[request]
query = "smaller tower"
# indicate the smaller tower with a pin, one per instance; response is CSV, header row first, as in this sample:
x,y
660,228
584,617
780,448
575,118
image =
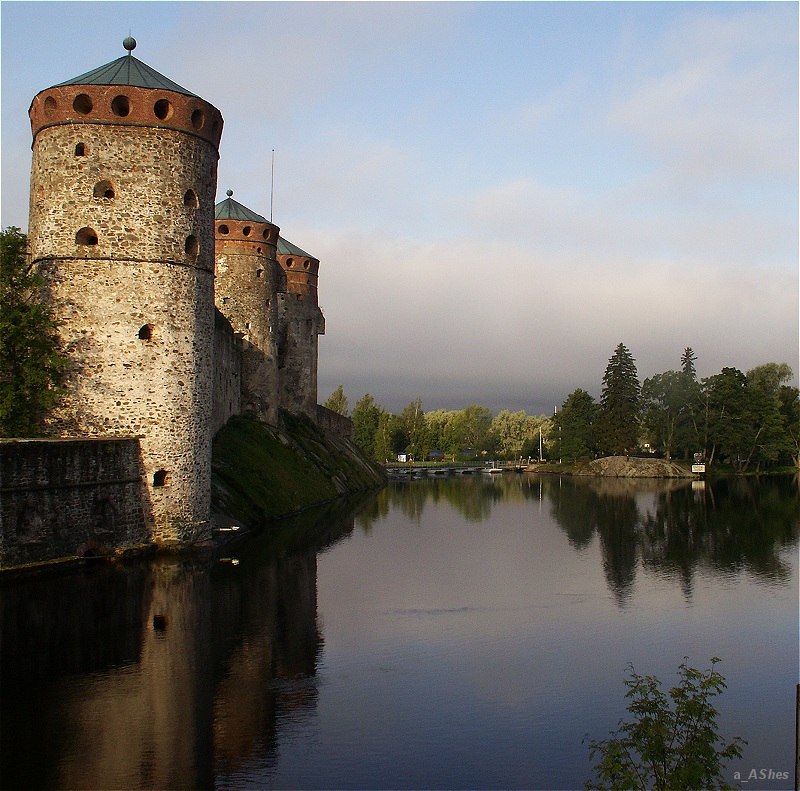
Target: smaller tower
x,y
247,279
301,322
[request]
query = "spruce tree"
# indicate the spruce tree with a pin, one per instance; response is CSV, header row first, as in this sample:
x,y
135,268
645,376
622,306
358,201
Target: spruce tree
x,y
619,404
688,359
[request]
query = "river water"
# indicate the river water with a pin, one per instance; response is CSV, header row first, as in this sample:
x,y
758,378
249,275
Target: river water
x,y
468,632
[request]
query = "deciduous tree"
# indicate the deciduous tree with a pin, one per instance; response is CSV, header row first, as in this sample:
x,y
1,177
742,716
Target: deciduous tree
x,y
337,401
366,418
31,363
673,741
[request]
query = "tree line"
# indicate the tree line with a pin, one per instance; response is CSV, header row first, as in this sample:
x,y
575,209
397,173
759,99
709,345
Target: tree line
x,y
749,421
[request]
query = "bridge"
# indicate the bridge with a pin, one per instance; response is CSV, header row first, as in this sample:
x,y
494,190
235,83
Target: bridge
x,y
424,471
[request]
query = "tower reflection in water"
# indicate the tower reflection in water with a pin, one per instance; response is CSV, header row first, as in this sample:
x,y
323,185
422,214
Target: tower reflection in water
x,y
164,674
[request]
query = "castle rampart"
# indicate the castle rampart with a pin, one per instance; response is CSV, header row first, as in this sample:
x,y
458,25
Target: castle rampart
x,y
62,498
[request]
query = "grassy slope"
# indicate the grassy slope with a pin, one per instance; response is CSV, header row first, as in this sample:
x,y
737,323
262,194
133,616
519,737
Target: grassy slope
x,y
260,472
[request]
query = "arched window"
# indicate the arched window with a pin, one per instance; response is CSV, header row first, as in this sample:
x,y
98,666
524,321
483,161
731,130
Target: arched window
x,y
86,236
104,189
81,150
146,332
192,247
160,478
190,199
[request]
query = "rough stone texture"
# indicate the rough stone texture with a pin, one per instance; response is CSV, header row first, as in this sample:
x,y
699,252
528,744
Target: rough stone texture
x,y
248,279
227,400
300,321
334,423
135,303
630,467
62,498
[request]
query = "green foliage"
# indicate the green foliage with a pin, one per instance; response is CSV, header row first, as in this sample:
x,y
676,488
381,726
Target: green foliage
x,y
667,411
366,419
673,741
31,364
412,421
515,432
688,359
337,401
575,427
619,404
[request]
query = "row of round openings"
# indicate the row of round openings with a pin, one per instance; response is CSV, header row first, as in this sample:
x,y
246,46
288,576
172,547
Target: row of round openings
x,y
121,107
290,263
88,237
224,230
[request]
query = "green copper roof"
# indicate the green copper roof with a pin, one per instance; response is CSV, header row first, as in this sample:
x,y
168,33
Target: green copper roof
x,y
230,209
127,70
287,248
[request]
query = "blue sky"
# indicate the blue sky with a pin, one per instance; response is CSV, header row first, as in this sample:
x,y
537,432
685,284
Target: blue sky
x,y
498,193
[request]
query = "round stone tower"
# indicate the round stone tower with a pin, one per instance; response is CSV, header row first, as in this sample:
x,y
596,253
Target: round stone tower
x,y
300,321
248,278
122,227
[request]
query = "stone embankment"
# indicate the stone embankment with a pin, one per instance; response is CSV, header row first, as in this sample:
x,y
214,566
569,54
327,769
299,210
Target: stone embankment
x,y
630,467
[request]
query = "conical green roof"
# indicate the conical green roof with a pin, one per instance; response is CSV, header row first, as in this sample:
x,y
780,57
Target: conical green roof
x,y
287,248
229,209
127,70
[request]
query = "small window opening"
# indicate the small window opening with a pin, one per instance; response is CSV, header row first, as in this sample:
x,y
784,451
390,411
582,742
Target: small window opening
x,y
306,264
160,478
192,246
49,106
190,199
82,104
86,236
247,325
289,262
223,229
259,272
104,189
121,106
259,250
146,332
198,119
266,233
163,109
246,230
80,150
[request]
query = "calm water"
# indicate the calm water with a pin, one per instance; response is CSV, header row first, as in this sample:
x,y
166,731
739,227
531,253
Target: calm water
x,y
450,633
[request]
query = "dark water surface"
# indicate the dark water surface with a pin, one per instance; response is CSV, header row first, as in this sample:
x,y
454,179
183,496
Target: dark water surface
x,y
452,633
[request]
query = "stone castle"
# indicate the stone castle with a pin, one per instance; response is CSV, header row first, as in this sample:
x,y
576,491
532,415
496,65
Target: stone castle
x,y
175,313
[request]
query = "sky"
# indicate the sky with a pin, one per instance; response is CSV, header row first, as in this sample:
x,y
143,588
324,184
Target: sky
x,y
499,193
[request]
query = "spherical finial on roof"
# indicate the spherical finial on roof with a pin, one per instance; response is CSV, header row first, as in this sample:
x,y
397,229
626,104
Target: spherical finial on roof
x,y
129,42
229,193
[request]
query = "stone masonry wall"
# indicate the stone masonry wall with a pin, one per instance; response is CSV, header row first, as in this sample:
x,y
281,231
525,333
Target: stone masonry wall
x,y
247,279
121,226
65,498
227,373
